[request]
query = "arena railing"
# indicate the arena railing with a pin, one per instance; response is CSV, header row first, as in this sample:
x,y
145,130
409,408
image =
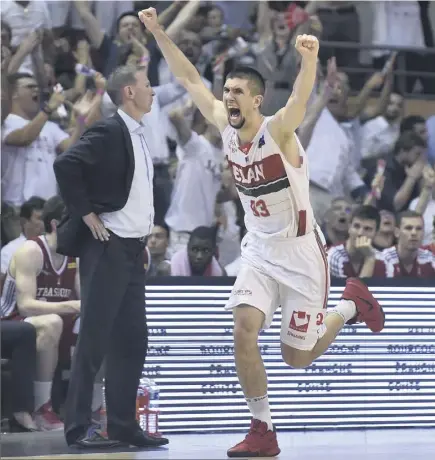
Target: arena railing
x,y
400,70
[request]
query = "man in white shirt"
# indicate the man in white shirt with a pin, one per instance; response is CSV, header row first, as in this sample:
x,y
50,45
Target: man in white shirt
x,y
379,135
24,18
30,142
106,181
31,227
157,122
197,183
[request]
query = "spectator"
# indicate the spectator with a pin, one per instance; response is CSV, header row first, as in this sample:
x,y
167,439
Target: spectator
x,y
407,258
29,22
379,135
385,237
403,172
337,221
157,244
391,19
31,227
198,258
31,142
18,344
277,59
356,257
39,289
334,174
198,180
417,125
340,23
425,203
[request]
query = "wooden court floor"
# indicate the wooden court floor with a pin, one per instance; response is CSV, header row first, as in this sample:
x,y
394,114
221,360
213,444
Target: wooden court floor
x,y
405,444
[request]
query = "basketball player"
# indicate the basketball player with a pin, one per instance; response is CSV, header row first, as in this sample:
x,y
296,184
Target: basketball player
x,y
283,257
40,288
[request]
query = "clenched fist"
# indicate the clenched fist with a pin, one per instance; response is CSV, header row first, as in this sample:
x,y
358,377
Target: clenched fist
x,y
307,46
149,18
364,246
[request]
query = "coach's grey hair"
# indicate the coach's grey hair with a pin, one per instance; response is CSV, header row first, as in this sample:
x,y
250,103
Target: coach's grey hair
x,y
123,76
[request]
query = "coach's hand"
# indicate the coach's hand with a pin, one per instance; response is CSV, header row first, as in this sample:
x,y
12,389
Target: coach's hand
x,y
96,227
364,246
307,46
149,19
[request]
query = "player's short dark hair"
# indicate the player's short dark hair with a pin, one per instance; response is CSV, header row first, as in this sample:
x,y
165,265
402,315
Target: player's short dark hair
x,y
54,209
407,141
35,203
367,212
408,214
408,123
256,81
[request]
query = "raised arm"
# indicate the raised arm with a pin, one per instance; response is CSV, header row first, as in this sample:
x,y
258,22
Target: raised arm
x,y
212,109
291,116
28,263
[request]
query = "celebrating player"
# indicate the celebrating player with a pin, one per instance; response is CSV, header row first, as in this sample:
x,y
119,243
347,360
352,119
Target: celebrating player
x,y
283,256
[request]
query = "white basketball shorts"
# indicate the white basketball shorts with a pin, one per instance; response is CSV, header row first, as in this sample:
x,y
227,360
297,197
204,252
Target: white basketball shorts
x,y
288,272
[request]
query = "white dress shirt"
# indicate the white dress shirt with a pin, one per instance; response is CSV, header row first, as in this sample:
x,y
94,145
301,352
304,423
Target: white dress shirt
x,y
136,218
332,166
155,120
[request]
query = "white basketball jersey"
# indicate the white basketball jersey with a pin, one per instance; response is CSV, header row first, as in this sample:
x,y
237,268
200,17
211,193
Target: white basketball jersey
x,y
274,194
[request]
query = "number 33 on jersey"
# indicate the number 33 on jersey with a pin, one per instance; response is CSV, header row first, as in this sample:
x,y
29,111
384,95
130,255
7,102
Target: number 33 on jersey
x,y
274,194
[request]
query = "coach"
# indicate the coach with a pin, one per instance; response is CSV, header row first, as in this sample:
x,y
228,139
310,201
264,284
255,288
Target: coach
x,y
106,182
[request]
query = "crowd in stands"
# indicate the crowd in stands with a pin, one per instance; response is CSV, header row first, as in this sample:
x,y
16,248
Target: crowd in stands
x,y
372,176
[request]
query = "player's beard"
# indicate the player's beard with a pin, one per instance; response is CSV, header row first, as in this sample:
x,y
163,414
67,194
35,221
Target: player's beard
x,y
239,124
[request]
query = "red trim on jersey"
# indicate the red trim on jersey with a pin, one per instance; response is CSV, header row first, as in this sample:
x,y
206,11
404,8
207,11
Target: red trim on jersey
x,y
260,172
245,148
325,263
302,224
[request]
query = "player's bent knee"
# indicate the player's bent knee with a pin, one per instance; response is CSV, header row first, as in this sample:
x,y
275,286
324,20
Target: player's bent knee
x,y
247,324
48,327
297,359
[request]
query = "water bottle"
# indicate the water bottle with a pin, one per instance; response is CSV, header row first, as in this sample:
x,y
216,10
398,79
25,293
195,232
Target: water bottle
x,y
142,403
153,412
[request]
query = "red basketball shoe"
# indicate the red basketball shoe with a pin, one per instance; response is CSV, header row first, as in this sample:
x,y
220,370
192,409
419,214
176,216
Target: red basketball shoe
x,y
259,442
368,309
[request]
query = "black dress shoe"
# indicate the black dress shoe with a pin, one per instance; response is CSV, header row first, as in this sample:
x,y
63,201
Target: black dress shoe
x,y
94,439
139,438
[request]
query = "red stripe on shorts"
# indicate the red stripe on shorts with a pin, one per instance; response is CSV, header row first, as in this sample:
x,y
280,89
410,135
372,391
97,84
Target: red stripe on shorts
x,y
302,224
325,263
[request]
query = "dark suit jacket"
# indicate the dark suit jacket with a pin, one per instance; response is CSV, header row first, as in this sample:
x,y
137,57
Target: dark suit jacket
x,y
94,175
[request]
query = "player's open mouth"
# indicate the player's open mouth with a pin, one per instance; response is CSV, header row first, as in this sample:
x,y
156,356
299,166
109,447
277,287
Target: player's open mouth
x,y
234,113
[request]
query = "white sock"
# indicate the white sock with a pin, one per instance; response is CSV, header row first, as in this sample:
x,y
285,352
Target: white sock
x,y
42,393
97,396
260,409
346,309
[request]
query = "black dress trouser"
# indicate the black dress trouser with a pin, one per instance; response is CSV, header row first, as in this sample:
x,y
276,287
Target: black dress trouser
x,y
18,344
112,327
